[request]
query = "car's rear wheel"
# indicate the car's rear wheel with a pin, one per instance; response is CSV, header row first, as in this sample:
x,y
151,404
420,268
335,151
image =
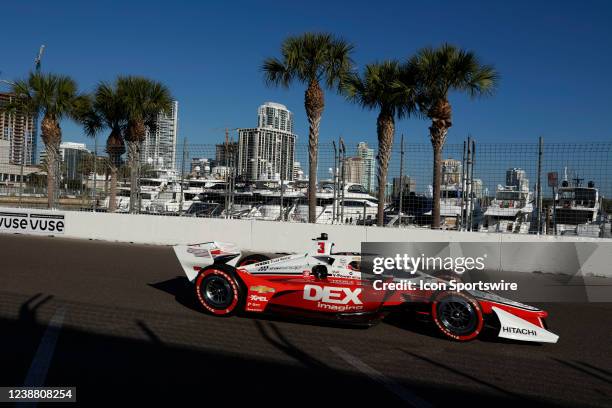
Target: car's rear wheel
x,y
457,316
218,290
252,259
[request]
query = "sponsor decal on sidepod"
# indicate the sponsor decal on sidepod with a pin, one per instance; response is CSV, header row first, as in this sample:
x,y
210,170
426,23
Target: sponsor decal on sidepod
x,y
334,299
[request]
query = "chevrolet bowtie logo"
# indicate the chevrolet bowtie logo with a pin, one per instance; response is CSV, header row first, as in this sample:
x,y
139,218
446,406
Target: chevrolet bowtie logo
x,y
262,289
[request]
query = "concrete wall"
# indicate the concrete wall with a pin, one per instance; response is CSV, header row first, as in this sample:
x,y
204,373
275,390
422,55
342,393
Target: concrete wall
x,y
558,256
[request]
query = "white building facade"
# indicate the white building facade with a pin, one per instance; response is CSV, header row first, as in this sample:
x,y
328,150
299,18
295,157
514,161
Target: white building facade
x,y
268,151
368,176
19,130
272,115
159,148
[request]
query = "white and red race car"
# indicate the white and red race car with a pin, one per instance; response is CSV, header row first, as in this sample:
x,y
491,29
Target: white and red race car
x,y
322,284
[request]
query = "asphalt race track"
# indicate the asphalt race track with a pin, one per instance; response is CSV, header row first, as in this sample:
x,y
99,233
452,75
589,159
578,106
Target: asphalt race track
x,y
124,329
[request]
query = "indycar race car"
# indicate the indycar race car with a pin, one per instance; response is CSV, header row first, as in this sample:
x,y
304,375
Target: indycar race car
x,y
322,284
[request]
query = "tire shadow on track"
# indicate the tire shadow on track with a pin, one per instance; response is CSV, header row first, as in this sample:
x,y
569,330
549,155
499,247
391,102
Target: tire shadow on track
x,y
181,289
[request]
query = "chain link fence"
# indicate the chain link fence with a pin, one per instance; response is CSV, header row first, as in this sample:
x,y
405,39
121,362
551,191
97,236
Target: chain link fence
x,y
485,187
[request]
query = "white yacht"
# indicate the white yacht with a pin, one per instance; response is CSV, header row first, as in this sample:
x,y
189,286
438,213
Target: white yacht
x,y
510,211
577,209
355,206
173,199
122,200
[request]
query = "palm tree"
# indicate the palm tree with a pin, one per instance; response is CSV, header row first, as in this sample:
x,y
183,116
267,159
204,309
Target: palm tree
x,y
384,87
439,71
312,59
54,97
105,110
143,100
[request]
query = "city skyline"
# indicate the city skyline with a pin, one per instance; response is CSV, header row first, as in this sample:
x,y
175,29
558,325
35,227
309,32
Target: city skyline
x,y
525,48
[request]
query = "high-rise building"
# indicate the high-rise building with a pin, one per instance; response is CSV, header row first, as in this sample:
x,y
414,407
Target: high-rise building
x,y
159,148
268,151
353,170
368,176
20,131
226,155
11,174
273,115
73,157
298,173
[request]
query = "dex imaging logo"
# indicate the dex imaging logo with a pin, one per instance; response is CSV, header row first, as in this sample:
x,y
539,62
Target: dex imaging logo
x,y
333,295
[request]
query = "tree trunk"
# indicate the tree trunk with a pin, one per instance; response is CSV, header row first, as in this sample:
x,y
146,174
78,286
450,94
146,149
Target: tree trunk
x,y
385,128
52,158
112,197
106,183
437,180
440,115
134,163
114,148
314,102
51,134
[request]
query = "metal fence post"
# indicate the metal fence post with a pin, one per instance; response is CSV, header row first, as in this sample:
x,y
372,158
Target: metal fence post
x,y
539,190
472,197
342,175
463,201
21,176
401,183
468,184
182,176
335,177
95,173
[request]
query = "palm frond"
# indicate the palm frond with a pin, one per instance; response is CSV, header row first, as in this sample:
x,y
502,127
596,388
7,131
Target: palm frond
x,y
310,57
384,86
276,73
142,100
449,68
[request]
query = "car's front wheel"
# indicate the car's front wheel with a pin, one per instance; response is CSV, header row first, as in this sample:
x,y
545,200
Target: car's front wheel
x,y
218,290
457,316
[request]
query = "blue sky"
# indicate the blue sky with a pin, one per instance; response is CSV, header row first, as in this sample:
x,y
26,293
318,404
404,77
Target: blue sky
x,y
554,59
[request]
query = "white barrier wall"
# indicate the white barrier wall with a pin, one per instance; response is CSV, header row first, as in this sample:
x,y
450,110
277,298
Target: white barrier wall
x,y
595,255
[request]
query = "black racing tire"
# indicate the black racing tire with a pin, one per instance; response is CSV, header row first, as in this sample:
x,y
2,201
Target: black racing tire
x,y
457,316
252,259
219,291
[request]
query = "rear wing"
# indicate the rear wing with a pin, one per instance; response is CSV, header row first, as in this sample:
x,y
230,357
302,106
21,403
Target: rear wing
x,y
194,257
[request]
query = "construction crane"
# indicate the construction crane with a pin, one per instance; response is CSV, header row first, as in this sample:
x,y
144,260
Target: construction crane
x,y
37,62
226,130
38,59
